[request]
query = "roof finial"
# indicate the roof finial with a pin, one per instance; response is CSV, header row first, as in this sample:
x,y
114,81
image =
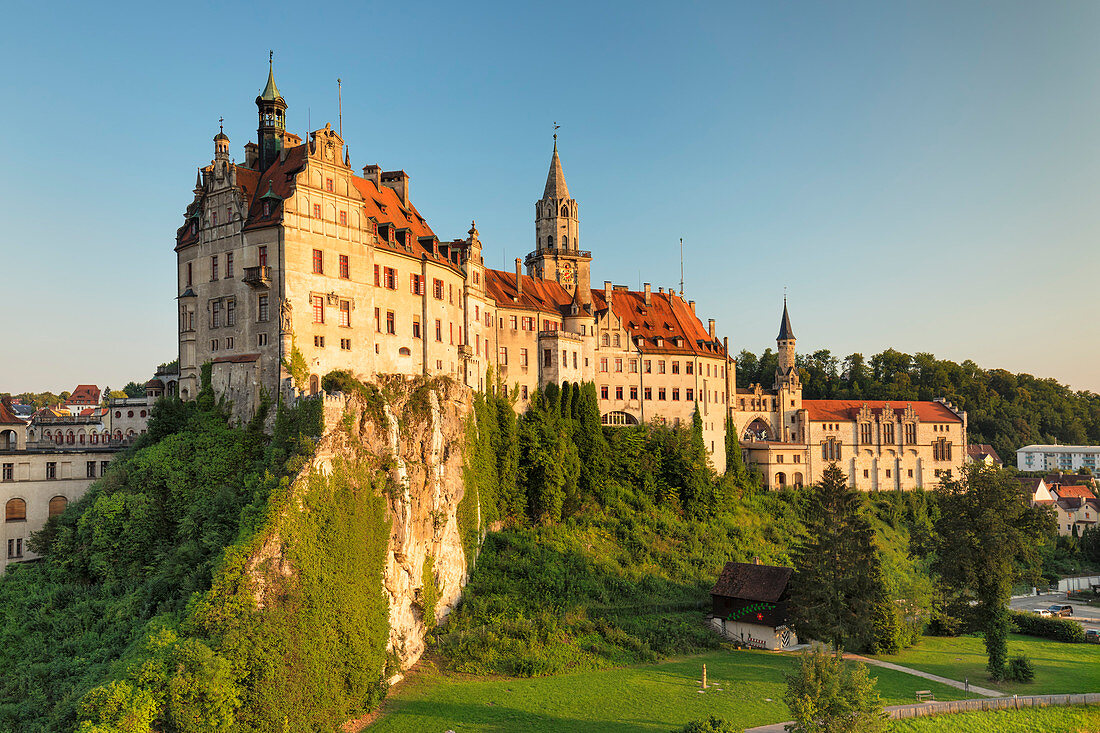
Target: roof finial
x,y
556,126
221,127
270,58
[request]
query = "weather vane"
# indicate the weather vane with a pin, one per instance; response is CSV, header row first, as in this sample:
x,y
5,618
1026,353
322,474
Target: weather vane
x,y
220,126
556,126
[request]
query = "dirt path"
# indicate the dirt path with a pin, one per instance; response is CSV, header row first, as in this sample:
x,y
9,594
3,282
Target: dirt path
x,y
985,692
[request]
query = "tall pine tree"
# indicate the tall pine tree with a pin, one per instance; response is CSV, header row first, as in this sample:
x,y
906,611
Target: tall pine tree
x,y
837,584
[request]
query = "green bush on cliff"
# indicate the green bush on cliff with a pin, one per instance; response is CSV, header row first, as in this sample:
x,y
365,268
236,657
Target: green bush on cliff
x,y
147,614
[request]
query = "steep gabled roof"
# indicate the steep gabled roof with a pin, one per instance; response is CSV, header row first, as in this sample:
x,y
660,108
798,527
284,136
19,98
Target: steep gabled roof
x,y
545,296
84,394
751,582
1074,492
657,325
8,416
785,331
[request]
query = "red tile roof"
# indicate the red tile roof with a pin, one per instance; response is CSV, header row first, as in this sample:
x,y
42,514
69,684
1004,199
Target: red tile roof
x,y
847,409
667,317
84,394
1074,492
978,450
7,417
544,296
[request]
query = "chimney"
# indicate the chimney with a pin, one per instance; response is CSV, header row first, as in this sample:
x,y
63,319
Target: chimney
x,y
756,560
660,290
691,304
519,279
710,327
399,182
607,292
373,172
645,287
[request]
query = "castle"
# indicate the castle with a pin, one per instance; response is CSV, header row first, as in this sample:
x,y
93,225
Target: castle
x,y
293,256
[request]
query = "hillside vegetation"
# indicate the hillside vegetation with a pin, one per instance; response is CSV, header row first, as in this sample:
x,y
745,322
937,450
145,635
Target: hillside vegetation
x,y
1006,410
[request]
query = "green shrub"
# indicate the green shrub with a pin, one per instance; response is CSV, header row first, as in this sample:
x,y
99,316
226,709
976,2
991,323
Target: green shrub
x,y
1020,669
1059,629
709,724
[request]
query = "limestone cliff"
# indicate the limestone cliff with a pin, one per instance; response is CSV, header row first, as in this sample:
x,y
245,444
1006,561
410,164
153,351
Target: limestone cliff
x,y
415,429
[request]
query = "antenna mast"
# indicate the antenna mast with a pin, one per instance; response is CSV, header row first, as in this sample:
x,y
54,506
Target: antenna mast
x,y
340,106
681,267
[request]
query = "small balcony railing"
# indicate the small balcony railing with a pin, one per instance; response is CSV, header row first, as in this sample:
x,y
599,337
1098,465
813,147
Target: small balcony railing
x,y
257,277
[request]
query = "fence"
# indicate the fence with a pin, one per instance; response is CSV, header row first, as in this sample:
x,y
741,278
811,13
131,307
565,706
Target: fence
x,y
922,709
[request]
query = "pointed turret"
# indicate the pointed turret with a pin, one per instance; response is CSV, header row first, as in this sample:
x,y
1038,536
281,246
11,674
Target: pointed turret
x,y
555,179
786,333
272,128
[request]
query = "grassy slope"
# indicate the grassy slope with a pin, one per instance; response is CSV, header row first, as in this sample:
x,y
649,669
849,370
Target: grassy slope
x,y
643,698
1037,720
1059,667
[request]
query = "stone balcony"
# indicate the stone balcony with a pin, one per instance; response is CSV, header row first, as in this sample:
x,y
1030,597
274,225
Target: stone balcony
x,y
257,277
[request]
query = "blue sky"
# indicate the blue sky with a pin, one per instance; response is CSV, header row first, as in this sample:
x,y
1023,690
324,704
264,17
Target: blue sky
x,y
921,175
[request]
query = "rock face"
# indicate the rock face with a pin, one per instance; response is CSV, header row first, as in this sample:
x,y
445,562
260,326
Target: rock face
x,y
416,429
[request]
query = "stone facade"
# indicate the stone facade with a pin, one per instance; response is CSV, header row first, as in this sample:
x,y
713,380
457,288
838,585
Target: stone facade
x,y
879,445
295,254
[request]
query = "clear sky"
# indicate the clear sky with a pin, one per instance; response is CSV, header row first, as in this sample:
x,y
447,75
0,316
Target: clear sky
x,y
919,175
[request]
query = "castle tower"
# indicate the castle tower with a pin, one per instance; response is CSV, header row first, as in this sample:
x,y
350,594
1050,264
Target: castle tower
x,y
272,110
221,145
557,255
787,383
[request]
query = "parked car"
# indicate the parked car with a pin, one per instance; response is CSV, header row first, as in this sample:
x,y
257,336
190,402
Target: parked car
x,y
1041,612
1092,636
1061,609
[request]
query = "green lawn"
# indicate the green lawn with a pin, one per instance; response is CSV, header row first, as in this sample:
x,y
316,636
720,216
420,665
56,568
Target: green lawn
x,y
1076,719
1059,667
747,689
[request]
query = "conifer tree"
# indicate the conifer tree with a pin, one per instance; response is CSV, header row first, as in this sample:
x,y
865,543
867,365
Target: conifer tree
x,y
838,580
592,448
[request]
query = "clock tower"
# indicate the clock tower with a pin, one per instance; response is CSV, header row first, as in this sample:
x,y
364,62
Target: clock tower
x,y
557,255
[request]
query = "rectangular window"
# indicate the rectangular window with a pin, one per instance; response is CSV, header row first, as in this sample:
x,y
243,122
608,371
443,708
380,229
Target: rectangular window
x,y
229,342
603,364
377,276
91,469
910,473
262,309
633,393
188,274
328,185
345,268
316,211
523,391
416,327
548,358
603,392
504,356
689,394
618,393
214,345
564,358
345,313
216,314
15,548
416,284
661,393
229,264
51,470
618,365
438,330
661,366
390,277
513,322
103,467
523,358
213,268
343,218
675,367
263,256
345,344
648,366
649,393
318,262
318,302
689,367
574,360
261,339
633,366
9,472
437,289
675,394
888,473
391,323
231,311
319,342
866,473
378,320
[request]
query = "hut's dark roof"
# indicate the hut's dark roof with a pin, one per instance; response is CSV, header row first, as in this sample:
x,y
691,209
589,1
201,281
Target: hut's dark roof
x,y
752,582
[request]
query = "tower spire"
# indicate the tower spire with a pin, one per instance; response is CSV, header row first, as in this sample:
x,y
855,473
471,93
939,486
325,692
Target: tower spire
x,y
555,179
786,333
272,109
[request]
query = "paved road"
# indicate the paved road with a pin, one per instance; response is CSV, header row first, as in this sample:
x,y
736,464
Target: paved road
x,y
1087,616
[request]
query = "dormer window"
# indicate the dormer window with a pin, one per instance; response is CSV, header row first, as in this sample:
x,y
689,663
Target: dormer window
x,y
267,208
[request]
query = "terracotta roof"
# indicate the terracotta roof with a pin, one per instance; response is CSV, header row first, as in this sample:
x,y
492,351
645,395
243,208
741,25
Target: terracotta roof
x,y
7,416
847,409
667,317
1031,484
979,450
84,394
1058,479
1074,492
752,582
545,296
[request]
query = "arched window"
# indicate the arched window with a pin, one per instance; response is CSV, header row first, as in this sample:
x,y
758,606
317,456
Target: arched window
x,y
780,479
118,435
314,384
72,438
129,413
59,438
118,413
618,342
606,340
95,438
565,209
798,480
565,242
82,438
15,511
143,413
57,506
550,241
